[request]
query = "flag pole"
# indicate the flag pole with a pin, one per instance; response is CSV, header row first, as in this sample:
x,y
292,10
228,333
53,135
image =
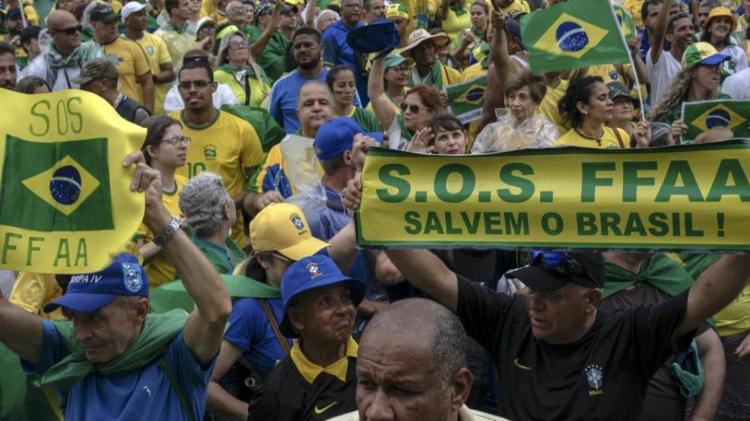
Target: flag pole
x,y
637,83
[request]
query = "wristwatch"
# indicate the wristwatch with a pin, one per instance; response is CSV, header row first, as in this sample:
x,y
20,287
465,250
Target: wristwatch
x,y
167,232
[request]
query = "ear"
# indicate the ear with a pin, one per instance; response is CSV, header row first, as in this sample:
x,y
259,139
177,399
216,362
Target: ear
x,y
296,319
460,388
263,261
214,86
347,157
150,150
141,309
593,299
582,108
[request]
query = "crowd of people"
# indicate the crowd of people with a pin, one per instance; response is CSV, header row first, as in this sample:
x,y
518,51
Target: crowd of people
x,y
244,295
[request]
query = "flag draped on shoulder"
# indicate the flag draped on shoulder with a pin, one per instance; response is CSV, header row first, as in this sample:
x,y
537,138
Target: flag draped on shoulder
x,y
573,34
65,203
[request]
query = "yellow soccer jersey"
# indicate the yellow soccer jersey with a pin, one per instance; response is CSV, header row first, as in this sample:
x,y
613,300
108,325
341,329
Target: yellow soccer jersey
x,y
157,55
158,269
131,63
608,140
32,291
735,318
228,147
548,107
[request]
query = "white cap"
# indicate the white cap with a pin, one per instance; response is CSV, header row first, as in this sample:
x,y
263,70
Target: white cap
x,y
133,7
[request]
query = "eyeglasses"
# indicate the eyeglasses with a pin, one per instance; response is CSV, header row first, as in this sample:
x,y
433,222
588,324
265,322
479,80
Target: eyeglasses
x,y
68,31
174,141
414,108
238,45
188,84
560,262
400,69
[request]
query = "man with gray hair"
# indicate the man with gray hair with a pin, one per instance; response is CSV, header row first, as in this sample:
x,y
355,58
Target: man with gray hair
x,y
411,366
209,211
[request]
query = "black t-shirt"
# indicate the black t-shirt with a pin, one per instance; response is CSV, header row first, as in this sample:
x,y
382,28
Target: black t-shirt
x,y
603,376
287,396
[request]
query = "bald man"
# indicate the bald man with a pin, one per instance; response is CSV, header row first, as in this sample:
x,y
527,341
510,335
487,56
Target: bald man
x,y
411,366
62,62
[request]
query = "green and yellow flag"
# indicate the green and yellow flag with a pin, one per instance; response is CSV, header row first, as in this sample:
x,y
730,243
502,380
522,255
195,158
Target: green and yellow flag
x,y
701,116
65,203
465,99
573,34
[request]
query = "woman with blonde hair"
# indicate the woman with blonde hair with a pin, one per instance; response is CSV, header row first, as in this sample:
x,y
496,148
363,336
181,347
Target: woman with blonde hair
x,y
240,72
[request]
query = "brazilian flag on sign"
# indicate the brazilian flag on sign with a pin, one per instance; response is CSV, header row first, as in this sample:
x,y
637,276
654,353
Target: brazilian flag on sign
x,y
701,116
573,34
65,202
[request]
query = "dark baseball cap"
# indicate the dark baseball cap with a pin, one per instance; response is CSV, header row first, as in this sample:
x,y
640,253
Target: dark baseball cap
x,y
14,13
103,13
549,271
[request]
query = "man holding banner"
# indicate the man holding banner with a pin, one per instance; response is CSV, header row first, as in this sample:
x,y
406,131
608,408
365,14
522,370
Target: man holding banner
x,y
111,341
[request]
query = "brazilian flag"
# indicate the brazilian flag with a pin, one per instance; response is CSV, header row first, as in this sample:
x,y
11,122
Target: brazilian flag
x,y
625,19
466,99
701,116
573,34
63,186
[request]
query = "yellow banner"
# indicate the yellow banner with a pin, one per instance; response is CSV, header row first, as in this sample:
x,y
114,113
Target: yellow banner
x,y
679,198
65,203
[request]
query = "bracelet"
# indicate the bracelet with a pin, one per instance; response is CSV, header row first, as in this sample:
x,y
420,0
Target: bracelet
x,y
167,232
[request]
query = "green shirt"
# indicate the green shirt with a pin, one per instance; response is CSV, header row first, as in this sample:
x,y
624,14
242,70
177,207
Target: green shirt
x,y
273,58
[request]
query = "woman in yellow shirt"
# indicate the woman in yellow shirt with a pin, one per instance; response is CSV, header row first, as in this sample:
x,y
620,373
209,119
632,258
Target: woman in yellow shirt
x,y
587,107
165,149
238,70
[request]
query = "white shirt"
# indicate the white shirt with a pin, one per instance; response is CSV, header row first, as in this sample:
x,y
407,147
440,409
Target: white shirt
x,y
662,74
737,85
223,95
65,76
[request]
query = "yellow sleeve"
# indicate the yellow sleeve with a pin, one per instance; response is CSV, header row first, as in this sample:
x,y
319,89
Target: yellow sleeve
x,y
163,56
251,151
32,291
140,61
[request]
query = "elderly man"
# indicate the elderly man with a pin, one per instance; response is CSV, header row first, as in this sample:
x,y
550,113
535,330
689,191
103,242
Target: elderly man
x,y
316,381
563,358
270,183
99,76
428,70
337,51
8,67
113,360
411,365
65,55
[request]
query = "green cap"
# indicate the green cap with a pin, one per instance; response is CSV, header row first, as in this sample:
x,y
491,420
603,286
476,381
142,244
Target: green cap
x,y
702,53
618,89
394,60
99,68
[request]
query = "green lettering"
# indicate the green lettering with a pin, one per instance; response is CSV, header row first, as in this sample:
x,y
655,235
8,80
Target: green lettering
x,y
402,186
676,224
63,252
468,182
414,226
690,231
659,226
552,223
38,113
610,221
586,222
634,224
75,115
720,187
82,253
492,223
8,246
473,224
517,223
525,185
631,181
449,228
195,168
589,180
30,249
679,170
433,224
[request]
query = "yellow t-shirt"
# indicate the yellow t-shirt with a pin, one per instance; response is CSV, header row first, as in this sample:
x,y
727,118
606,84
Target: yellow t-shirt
x,y
32,291
607,141
735,318
157,54
472,72
159,269
258,90
454,24
228,147
131,63
518,6
634,8
548,107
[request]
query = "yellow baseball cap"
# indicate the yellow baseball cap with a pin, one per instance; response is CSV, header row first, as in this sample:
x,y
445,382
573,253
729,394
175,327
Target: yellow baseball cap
x,y
282,227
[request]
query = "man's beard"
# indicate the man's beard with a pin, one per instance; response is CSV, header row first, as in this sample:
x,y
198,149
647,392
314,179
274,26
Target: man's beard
x,y
312,64
7,84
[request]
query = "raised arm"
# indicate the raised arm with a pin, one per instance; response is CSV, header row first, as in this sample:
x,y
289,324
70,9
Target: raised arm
x,y
310,11
714,364
376,91
715,289
256,50
204,328
21,331
656,39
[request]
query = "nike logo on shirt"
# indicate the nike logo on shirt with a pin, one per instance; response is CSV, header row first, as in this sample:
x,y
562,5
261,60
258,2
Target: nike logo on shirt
x,y
319,411
519,365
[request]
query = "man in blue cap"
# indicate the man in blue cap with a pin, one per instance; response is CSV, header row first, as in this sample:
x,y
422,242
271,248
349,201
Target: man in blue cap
x,y
112,360
317,380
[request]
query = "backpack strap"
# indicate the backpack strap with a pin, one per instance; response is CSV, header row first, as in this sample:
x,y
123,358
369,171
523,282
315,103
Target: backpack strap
x,y
619,137
184,402
275,326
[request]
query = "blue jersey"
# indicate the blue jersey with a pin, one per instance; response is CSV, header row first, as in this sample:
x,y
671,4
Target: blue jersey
x,y
144,394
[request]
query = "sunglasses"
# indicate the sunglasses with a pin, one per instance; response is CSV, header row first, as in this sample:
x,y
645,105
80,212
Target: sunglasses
x,y
414,108
174,141
68,31
199,84
238,45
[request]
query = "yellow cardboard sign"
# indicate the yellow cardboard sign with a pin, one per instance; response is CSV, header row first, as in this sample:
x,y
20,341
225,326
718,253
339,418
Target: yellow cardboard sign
x,y
65,203
686,197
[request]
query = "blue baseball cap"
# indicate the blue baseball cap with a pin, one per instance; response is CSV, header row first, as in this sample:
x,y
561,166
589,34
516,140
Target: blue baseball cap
x,y
124,277
309,273
378,36
337,135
